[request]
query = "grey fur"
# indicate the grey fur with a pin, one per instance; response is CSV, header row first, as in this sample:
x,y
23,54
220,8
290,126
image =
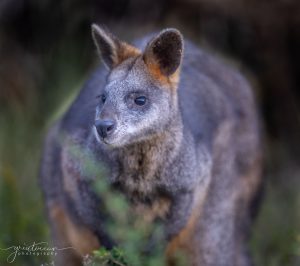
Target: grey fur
x,y
106,45
197,145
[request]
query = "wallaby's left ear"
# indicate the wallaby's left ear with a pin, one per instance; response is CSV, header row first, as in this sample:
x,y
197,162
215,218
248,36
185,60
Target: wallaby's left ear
x,y
111,50
165,52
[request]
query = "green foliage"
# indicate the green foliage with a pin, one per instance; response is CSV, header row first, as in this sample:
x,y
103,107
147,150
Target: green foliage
x,y
21,217
103,257
275,240
139,242
22,127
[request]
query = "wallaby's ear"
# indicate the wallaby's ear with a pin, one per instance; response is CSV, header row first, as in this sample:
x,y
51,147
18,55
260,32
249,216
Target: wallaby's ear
x,y
110,48
164,52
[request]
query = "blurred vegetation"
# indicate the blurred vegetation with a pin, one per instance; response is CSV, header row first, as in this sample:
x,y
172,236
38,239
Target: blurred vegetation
x,y
139,242
46,53
275,239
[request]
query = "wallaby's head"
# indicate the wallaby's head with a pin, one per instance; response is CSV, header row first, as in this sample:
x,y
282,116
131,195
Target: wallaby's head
x,y
139,100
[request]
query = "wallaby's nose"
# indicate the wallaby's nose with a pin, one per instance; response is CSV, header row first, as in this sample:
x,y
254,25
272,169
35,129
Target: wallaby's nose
x,y
104,127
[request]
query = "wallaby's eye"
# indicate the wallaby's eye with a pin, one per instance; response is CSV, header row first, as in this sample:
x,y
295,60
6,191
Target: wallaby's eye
x,y
141,100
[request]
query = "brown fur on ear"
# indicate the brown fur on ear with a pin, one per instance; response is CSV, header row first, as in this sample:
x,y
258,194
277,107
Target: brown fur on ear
x,y
110,48
169,81
163,55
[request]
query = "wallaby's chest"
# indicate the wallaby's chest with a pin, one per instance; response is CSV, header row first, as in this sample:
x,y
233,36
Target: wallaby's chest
x,y
141,181
138,173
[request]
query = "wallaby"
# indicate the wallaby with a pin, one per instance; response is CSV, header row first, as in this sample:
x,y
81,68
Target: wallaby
x,y
179,133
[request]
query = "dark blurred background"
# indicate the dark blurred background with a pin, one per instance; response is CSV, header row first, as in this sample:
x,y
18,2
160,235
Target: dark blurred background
x,y
46,53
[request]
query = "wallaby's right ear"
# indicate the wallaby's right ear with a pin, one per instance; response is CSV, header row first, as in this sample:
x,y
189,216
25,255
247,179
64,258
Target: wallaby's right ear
x,y
164,52
110,48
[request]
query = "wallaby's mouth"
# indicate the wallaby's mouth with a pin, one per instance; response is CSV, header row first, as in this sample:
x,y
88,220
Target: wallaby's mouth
x,y
104,129
107,140
100,139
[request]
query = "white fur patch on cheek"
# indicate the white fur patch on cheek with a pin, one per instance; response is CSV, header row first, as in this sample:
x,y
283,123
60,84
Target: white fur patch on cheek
x,y
146,121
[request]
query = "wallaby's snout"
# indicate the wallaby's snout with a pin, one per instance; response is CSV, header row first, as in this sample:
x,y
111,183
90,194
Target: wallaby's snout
x,y
104,127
